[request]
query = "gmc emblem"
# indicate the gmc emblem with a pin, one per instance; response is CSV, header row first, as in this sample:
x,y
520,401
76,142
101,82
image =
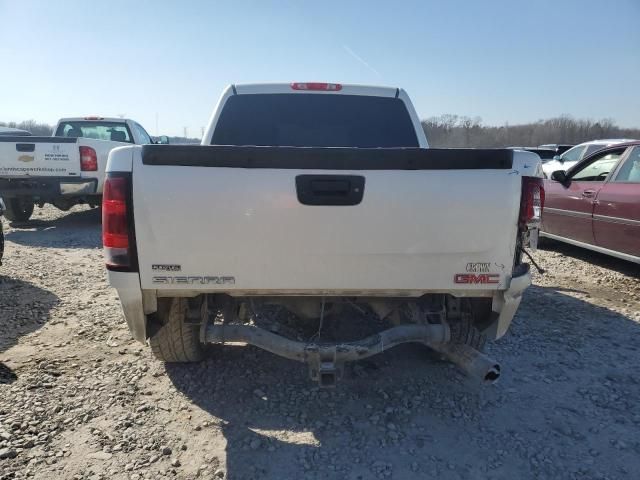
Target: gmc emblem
x,y
473,278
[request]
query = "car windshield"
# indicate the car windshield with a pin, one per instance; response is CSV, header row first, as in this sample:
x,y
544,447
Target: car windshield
x,y
315,120
573,154
593,148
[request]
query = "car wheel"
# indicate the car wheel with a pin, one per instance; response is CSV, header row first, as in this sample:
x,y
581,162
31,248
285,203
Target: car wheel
x,y
175,340
18,209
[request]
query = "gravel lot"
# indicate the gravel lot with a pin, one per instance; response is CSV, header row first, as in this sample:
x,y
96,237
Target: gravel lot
x,y
80,400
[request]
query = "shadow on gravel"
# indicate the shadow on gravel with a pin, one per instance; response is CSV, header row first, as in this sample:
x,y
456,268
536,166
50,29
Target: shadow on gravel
x,y
6,374
77,229
567,397
605,261
24,308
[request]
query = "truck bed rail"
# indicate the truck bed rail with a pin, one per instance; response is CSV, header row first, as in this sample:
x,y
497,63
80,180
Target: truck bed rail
x,y
327,158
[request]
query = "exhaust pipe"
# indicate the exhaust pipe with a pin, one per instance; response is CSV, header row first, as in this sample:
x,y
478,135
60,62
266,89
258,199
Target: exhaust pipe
x,y
326,360
475,364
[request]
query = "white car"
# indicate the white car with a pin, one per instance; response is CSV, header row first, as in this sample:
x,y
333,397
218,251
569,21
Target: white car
x,y
65,169
572,156
318,197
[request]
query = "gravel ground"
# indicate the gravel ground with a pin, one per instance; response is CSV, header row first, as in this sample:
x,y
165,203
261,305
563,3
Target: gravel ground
x,y
80,400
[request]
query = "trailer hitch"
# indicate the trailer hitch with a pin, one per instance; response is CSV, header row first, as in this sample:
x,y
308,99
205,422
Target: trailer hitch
x,y
326,360
324,366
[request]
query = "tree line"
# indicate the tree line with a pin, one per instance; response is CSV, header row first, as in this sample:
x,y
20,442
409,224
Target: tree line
x,y
40,129
460,131
44,129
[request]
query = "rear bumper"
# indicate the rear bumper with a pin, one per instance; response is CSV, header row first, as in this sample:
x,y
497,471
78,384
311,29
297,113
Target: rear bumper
x,y
506,303
47,187
128,286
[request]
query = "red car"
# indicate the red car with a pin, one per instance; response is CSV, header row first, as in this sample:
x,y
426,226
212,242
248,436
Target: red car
x,y
596,203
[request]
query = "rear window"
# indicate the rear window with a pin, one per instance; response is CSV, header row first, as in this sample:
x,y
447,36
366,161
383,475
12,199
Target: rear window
x,y
117,132
314,120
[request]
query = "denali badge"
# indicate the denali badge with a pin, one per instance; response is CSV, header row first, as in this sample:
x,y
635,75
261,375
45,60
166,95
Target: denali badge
x,y
472,278
165,268
195,280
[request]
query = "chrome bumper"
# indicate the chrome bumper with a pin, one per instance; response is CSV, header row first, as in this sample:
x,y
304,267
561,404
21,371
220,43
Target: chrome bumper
x,y
78,188
47,187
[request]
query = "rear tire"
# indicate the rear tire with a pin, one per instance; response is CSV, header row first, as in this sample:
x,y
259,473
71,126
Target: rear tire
x,y
176,341
464,332
18,209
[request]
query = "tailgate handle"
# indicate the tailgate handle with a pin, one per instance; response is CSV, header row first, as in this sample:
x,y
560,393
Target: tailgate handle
x,y
330,189
26,147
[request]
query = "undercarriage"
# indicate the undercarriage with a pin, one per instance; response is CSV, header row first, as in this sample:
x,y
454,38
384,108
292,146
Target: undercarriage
x,y
327,332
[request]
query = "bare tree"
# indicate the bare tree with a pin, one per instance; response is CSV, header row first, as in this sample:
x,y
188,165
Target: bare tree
x,y
460,131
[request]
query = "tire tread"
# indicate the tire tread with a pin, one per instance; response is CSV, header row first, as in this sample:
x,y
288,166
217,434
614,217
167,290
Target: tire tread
x,y
15,212
176,341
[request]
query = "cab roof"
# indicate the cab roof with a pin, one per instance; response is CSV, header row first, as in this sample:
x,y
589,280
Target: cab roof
x,y
315,88
92,118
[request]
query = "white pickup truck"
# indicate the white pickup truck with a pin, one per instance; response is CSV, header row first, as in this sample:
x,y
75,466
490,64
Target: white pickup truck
x,y
65,169
320,198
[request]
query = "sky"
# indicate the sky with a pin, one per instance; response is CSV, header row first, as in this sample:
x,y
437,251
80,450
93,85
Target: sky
x,y
165,63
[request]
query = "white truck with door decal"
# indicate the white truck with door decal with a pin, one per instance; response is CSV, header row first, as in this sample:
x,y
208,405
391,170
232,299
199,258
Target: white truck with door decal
x,y
65,169
320,198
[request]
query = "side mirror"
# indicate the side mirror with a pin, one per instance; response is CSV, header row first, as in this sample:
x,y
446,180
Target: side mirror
x,y
560,176
163,140
557,157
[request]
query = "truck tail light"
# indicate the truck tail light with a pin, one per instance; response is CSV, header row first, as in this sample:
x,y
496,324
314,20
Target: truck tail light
x,y
532,201
327,87
88,159
117,226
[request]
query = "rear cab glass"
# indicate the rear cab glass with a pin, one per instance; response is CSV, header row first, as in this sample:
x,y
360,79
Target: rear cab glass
x,y
315,120
113,131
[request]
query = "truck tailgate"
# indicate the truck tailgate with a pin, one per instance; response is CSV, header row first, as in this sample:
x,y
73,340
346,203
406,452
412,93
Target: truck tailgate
x,y
259,220
39,156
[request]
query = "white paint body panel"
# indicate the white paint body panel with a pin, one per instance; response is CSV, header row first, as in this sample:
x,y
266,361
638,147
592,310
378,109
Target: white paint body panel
x,y
50,159
414,230
55,159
